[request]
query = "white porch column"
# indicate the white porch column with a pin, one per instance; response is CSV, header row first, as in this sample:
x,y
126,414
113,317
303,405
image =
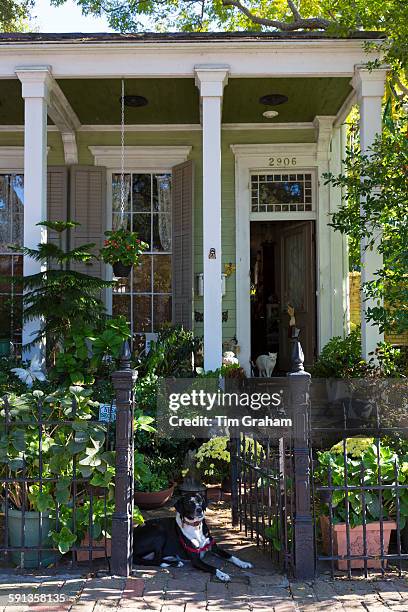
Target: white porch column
x,y
369,86
35,91
211,81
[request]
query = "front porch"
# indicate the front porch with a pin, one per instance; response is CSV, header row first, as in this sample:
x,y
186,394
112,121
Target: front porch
x,y
198,129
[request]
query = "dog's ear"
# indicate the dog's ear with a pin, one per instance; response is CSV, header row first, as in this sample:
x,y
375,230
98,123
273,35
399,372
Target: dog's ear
x,y
179,506
203,501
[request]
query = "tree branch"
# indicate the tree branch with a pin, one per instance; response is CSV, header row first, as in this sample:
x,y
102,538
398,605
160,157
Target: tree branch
x,y
310,23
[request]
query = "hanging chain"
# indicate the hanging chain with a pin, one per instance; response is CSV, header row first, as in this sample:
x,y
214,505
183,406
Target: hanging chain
x,y
122,157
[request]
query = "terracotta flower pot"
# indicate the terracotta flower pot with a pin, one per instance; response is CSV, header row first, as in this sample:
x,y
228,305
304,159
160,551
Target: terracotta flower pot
x,y
121,270
373,537
148,500
85,555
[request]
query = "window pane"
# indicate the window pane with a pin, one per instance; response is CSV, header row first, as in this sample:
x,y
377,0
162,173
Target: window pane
x,y
118,221
162,232
162,310
142,275
142,313
162,193
141,225
121,306
116,189
161,273
5,212
6,269
5,317
142,192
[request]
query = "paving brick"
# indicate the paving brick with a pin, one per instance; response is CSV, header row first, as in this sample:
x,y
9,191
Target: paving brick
x,y
134,588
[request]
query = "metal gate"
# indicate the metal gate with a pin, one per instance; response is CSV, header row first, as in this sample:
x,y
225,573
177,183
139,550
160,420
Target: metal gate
x,y
270,479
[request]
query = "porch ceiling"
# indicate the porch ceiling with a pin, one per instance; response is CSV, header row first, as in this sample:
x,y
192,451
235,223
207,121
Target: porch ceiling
x,y
96,101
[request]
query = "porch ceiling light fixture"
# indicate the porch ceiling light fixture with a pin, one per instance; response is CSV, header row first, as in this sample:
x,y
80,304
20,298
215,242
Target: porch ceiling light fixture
x,y
273,99
133,100
270,114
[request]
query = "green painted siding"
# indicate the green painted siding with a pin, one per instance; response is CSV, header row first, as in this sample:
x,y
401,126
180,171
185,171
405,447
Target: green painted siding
x,y
192,138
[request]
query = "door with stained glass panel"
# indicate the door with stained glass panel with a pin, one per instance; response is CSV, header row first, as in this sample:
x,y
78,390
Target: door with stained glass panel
x,y
145,298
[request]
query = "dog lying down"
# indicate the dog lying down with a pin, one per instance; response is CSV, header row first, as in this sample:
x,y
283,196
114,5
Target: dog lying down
x,y
169,542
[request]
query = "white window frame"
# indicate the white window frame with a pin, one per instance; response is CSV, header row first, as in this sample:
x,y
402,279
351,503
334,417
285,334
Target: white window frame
x,y
139,160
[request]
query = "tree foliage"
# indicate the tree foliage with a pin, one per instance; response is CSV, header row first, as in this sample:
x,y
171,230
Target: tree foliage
x,y
375,210
59,296
13,14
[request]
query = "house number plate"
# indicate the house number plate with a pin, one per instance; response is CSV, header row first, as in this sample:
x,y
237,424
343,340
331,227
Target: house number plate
x,y
282,161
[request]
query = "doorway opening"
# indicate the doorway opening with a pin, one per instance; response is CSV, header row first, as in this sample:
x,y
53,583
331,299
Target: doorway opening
x,y
282,272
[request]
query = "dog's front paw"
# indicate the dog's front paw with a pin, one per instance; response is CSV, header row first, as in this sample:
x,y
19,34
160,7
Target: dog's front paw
x,y
180,564
246,565
241,564
222,576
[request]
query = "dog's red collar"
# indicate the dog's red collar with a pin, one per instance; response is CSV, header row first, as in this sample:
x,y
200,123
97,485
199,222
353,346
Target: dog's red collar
x,y
202,549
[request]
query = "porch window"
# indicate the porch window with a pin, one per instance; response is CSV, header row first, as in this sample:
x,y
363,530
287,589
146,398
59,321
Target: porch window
x,y
281,193
11,263
145,297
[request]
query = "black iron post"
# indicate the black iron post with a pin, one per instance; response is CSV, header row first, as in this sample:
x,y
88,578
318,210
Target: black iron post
x,y
304,545
122,519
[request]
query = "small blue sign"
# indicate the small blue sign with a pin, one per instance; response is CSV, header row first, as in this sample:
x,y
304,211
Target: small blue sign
x,y
107,412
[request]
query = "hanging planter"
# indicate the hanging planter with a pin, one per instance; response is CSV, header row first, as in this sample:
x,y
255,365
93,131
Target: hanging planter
x,y
121,270
122,249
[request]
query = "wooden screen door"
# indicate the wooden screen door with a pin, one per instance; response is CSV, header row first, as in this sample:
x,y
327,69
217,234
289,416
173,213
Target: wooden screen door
x,y
298,288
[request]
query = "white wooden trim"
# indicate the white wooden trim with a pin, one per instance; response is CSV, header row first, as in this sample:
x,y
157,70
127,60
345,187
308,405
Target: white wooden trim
x,y
138,156
284,216
151,59
370,85
293,125
211,81
35,91
148,127
12,159
249,159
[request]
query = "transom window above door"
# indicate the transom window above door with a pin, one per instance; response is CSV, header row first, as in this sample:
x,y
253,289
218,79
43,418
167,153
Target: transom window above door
x,y
277,193
145,298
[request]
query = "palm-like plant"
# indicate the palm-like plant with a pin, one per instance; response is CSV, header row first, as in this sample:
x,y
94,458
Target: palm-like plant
x,y
59,296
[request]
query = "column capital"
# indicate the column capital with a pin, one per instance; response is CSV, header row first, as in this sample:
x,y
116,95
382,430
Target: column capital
x,y
369,83
36,81
211,79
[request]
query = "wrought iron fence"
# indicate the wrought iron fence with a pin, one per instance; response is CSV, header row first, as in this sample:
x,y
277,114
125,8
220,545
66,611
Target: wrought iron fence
x,y
360,484
66,478
49,504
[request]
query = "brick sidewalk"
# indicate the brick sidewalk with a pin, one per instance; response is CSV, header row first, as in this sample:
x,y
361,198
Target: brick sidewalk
x,y
188,590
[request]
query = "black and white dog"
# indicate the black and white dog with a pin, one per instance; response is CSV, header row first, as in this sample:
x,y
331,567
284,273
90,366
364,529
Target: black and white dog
x,y
168,541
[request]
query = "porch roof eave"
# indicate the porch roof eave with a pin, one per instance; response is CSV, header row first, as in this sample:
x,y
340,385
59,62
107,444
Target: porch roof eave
x,y
113,56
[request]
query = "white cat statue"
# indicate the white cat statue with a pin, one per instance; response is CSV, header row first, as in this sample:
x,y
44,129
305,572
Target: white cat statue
x,y
266,364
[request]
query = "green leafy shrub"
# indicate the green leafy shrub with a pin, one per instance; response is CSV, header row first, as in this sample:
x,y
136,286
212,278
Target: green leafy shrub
x,y
213,458
341,358
364,461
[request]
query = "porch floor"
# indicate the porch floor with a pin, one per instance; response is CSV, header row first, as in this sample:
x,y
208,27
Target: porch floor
x,y
187,590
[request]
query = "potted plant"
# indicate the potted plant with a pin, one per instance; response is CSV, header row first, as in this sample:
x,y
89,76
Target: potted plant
x,y
213,459
361,464
122,249
45,512
152,488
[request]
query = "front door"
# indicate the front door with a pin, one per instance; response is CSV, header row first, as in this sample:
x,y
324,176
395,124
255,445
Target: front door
x,y
298,288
